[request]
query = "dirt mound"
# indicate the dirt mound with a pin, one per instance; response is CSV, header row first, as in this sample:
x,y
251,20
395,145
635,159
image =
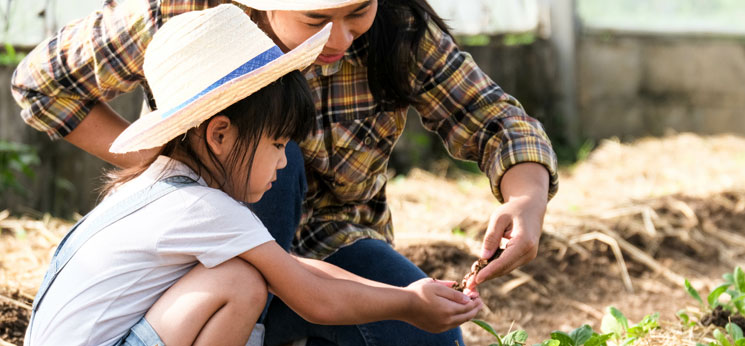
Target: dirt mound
x,y
14,315
720,317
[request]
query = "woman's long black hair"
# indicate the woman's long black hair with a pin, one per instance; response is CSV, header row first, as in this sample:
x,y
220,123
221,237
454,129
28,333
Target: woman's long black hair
x,y
283,109
392,48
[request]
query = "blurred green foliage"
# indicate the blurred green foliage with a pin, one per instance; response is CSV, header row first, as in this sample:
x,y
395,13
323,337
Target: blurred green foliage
x,y
9,56
510,39
16,160
519,39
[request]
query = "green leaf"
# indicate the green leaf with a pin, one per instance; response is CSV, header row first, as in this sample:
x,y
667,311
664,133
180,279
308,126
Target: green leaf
x,y
611,325
551,342
630,341
488,328
740,342
635,331
734,331
713,297
599,339
683,316
618,315
728,278
581,334
739,277
563,338
650,322
693,292
517,337
738,300
721,338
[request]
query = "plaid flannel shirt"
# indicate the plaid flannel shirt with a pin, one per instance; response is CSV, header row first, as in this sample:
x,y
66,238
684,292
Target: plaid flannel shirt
x,y
346,156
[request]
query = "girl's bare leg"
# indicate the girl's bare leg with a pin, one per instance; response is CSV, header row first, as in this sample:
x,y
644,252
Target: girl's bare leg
x,y
217,306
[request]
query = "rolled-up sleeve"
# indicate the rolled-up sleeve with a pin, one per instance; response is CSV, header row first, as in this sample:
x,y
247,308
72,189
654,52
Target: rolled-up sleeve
x,y
475,118
92,59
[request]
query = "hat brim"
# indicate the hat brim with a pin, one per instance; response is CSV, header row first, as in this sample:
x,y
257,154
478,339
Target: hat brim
x,y
158,127
294,5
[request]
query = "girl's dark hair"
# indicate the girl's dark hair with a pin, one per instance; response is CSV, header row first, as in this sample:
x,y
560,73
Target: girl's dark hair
x,y
282,109
393,41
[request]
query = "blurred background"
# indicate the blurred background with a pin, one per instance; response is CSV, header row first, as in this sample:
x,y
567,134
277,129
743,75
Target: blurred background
x,y
589,70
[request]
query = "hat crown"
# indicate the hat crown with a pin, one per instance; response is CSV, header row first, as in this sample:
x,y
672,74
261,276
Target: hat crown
x,y
196,49
202,62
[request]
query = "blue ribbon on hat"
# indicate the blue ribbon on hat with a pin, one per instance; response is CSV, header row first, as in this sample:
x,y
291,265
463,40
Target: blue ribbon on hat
x,y
260,60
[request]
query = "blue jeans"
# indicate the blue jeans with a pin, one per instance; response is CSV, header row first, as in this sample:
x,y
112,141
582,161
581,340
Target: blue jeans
x,y
280,210
141,334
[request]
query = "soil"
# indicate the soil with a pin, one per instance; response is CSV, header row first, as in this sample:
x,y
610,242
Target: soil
x,y
13,319
720,317
563,289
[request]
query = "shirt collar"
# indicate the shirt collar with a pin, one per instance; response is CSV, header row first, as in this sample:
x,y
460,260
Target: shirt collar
x,y
353,56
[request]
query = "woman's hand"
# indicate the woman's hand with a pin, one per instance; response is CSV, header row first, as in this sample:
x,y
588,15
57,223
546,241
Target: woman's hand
x,y
436,307
519,221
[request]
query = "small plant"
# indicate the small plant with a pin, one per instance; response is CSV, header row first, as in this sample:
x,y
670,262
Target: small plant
x,y
685,319
617,325
583,335
733,286
614,326
514,338
727,313
733,337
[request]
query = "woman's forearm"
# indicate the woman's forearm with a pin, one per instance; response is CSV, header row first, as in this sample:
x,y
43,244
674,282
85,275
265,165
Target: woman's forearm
x,y
98,130
528,179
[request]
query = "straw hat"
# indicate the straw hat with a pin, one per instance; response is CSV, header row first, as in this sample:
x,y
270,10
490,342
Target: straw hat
x,y
296,5
199,63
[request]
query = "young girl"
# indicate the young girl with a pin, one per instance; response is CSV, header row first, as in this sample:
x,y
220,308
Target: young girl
x,y
172,255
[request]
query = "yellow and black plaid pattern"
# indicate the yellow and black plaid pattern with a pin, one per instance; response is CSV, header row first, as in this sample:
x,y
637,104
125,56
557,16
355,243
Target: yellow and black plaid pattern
x,y
346,156
93,59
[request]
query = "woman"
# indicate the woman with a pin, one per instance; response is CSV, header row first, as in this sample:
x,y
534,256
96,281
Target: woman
x,y
381,58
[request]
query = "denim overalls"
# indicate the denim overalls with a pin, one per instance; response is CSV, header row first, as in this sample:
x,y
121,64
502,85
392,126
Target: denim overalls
x,y
113,212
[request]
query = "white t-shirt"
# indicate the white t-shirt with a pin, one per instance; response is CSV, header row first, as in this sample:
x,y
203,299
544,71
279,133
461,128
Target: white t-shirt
x,y
117,275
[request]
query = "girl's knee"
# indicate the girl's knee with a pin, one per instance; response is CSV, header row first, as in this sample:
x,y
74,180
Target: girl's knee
x,y
241,281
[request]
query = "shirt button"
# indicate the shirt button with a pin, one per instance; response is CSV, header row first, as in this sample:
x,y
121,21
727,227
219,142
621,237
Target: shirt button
x,y
367,140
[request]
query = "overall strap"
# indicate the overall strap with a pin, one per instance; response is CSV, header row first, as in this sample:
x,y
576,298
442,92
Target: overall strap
x,y
112,212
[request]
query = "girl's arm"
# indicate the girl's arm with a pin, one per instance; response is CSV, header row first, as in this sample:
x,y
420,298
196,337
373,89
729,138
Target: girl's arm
x,y
328,270
317,294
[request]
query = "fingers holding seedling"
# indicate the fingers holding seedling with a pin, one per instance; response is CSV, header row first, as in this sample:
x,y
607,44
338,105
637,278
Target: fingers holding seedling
x,y
468,279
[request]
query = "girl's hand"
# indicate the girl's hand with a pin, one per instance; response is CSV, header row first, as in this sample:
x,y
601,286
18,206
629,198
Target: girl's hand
x,y
436,307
